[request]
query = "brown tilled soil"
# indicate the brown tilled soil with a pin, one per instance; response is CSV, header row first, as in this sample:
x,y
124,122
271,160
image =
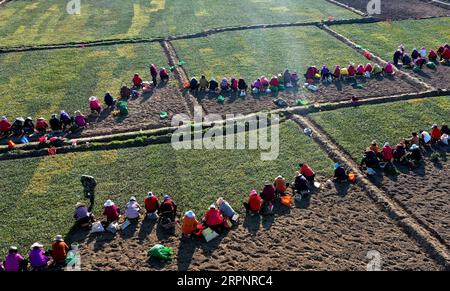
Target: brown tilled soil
x,y
424,192
333,230
439,78
400,9
334,92
143,113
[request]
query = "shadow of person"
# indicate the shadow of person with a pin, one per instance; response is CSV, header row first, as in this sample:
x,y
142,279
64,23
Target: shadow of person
x,y
267,221
186,250
252,223
303,203
163,234
146,229
129,232
342,188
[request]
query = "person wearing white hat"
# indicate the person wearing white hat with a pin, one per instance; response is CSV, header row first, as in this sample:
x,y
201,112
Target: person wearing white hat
x,y
14,262
94,105
17,126
387,152
151,203
190,223
59,250
213,219
111,211
414,155
132,210
38,259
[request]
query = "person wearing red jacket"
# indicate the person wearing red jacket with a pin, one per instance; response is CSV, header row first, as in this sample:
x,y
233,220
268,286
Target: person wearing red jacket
x,y
445,57
368,68
351,70
274,82
387,152
41,125
5,126
213,219
111,211
137,80
151,203
311,72
307,172
432,56
435,133
253,205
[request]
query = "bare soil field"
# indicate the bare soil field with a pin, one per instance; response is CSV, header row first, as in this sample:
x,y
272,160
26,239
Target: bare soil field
x,y
332,230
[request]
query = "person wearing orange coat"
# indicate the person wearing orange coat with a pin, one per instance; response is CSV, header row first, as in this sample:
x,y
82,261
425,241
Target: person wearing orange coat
x,y
59,250
435,133
280,185
189,223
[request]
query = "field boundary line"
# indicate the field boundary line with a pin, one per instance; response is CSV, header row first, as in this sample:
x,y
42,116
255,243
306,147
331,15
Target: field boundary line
x,y
412,226
205,33
182,77
438,3
303,110
354,10
410,79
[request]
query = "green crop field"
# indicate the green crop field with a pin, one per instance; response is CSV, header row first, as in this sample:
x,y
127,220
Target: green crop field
x,y
253,53
43,82
39,194
355,128
44,22
383,38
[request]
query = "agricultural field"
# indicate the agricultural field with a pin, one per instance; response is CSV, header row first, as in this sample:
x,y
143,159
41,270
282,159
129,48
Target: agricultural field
x,y
355,128
104,19
252,53
39,194
422,191
44,82
384,38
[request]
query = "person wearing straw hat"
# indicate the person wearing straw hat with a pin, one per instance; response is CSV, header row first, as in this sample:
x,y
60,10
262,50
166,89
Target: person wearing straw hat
x,y
5,126
111,211
213,219
132,210
190,223
151,203
94,104
14,262
38,259
168,209
82,215
59,250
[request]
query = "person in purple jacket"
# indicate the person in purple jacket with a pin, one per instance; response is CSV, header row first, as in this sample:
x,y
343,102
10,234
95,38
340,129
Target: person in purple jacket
x,y
13,261
38,259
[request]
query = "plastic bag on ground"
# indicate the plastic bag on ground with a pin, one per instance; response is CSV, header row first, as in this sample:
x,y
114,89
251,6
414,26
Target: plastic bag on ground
x,y
97,227
161,252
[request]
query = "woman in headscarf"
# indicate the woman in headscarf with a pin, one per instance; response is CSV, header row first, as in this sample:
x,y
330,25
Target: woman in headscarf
x,y
225,208
190,223
415,54
337,73
242,86
111,211
287,78
224,85
213,219
325,72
